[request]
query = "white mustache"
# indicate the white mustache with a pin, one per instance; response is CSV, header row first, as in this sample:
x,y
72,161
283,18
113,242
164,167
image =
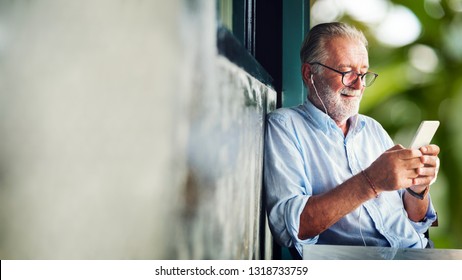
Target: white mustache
x,y
354,93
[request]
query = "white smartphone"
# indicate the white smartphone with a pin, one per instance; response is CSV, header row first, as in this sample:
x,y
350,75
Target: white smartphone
x,y
424,134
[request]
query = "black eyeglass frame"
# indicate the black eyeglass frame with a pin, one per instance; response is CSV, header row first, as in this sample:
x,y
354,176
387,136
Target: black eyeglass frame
x,y
358,75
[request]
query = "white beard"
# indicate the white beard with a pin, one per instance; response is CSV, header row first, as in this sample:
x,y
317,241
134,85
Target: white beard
x,y
338,107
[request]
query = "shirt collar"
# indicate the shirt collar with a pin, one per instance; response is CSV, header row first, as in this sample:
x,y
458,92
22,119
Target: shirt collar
x,y
357,123
326,123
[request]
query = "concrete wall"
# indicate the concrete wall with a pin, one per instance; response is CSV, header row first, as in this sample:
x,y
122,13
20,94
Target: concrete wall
x,y
124,135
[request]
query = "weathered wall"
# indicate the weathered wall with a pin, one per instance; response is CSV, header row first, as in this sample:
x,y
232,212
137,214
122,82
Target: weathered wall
x,y
224,172
124,135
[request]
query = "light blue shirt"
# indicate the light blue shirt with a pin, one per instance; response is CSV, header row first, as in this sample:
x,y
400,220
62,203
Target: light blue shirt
x,y
307,154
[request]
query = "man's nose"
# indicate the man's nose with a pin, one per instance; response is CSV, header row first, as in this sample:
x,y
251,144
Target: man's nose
x,y
358,83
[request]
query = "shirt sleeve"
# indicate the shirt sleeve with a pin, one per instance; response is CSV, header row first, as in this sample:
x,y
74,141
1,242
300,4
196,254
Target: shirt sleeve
x,y
286,185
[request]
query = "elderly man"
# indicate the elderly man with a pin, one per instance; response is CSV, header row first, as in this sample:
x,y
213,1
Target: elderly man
x,y
333,176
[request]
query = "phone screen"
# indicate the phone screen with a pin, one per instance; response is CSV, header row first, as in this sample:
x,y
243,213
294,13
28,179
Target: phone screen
x,y
424,134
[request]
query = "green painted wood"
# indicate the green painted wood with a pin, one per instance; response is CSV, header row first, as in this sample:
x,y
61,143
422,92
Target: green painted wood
x,y
296,14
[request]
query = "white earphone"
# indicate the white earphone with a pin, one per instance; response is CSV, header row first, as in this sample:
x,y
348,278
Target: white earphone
x,y
317,94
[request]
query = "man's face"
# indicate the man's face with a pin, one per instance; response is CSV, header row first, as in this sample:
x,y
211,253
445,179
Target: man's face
x,y
341,101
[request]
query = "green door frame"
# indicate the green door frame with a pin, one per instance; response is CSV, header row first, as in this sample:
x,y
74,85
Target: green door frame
x,y
296,23
272,31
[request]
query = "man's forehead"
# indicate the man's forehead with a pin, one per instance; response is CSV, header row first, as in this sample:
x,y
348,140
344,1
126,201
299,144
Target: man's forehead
x,y
346,51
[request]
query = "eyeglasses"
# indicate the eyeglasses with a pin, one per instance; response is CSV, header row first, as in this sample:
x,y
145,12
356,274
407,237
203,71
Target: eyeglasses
x,y
350,77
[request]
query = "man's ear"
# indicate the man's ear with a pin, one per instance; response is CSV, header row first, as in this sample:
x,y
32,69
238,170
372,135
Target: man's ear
x,y
306,73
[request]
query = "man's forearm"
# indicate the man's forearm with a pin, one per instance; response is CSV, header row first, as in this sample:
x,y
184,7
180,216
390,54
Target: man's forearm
x,y
416,208
323,210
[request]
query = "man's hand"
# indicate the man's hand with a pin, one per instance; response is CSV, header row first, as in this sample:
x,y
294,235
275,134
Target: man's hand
x,y
427,173
399,168
416,208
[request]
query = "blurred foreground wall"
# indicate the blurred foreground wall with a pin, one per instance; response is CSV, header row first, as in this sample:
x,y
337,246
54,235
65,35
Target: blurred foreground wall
x,y
124,135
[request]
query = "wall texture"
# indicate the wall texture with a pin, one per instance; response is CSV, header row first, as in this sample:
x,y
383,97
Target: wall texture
x,y
124,135
223,188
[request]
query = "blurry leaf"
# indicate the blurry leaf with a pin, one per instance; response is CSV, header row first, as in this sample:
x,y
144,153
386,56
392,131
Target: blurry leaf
x,y
391,81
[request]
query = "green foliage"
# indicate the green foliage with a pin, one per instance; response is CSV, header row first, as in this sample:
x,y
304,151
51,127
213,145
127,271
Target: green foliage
x,y
403,96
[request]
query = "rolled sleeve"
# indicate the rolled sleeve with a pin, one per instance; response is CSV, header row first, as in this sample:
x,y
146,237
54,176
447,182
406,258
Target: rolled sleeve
x,y
285,221
293,222
429,218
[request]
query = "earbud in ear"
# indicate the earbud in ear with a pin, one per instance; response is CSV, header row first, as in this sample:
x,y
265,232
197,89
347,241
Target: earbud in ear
x,y
311,78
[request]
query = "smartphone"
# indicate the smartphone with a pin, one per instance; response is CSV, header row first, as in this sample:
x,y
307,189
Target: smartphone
x,y
424,134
